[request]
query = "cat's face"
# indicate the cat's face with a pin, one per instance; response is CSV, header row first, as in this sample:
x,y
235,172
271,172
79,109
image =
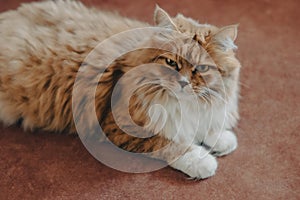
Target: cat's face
x,y
212,66
190,59
185,68
181,66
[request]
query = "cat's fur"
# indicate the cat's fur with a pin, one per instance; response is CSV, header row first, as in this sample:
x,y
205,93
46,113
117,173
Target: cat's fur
x,y
43,45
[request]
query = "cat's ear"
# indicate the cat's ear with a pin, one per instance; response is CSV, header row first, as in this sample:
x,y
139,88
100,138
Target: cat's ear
x,y
162,19
226,36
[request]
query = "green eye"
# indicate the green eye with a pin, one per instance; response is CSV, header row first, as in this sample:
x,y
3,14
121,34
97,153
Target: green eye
x,y
171,62
202,68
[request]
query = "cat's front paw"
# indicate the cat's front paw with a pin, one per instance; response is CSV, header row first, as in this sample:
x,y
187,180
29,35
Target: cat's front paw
x,y
226,143
197,163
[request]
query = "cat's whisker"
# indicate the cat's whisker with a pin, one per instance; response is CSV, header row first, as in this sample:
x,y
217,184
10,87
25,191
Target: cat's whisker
x,y
244,85
203,98
206,98
214,94
202,95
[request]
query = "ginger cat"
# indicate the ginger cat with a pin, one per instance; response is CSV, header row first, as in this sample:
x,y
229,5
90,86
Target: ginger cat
x,y
43,45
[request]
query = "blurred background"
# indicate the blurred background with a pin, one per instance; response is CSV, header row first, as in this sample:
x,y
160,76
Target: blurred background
x,y
266,165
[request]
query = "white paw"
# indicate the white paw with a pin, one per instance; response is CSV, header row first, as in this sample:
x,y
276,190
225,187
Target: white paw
x,y
197,163
226,143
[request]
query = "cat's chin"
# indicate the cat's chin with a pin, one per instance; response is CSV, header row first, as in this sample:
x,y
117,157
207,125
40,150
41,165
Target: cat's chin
x,y
191,97
184,95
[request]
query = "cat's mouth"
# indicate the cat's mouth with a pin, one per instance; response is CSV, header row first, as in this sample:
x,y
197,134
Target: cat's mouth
x,y
182,90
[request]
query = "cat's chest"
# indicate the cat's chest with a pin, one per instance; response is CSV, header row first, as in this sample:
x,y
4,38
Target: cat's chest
x,y
190,121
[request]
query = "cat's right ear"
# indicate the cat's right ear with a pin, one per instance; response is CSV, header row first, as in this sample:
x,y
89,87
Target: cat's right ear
x,y
226,36
162,19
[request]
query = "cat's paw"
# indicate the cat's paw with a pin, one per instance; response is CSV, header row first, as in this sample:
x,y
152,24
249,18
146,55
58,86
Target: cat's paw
x,y
197,163
226,143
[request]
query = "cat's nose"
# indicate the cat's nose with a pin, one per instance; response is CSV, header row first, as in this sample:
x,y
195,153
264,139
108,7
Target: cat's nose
x,y
183,83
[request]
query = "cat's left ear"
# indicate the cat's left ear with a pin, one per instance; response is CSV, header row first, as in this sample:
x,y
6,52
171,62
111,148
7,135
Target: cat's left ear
x,y
227,35
162,19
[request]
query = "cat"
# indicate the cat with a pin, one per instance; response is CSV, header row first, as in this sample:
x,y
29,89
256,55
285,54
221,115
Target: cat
x,y
45,45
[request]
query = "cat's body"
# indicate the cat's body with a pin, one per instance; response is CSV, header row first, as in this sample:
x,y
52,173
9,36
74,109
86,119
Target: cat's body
x,y
44,44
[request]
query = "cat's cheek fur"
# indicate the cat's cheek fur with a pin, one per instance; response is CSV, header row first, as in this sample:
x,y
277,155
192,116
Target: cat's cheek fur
x,y
233,99
197,163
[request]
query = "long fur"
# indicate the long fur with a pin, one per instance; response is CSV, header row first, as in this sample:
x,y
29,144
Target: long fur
x,y
45,43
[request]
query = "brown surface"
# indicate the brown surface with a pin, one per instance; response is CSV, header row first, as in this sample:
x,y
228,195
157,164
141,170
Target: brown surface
x,y
267,162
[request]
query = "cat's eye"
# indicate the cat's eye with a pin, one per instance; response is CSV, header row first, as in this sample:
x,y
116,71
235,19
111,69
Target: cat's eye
x,y
171,62
202,68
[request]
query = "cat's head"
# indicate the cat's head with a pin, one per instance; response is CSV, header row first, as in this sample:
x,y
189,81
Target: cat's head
x,y
188,58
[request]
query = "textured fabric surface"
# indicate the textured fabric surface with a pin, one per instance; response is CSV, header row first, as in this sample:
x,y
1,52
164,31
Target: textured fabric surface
x,y
266,164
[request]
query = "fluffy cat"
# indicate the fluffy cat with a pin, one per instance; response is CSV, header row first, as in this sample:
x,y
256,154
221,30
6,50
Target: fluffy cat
x,y
45,43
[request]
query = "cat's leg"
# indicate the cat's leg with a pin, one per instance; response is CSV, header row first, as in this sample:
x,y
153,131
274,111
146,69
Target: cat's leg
x,y
196,162
221,144
8,112
193,160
